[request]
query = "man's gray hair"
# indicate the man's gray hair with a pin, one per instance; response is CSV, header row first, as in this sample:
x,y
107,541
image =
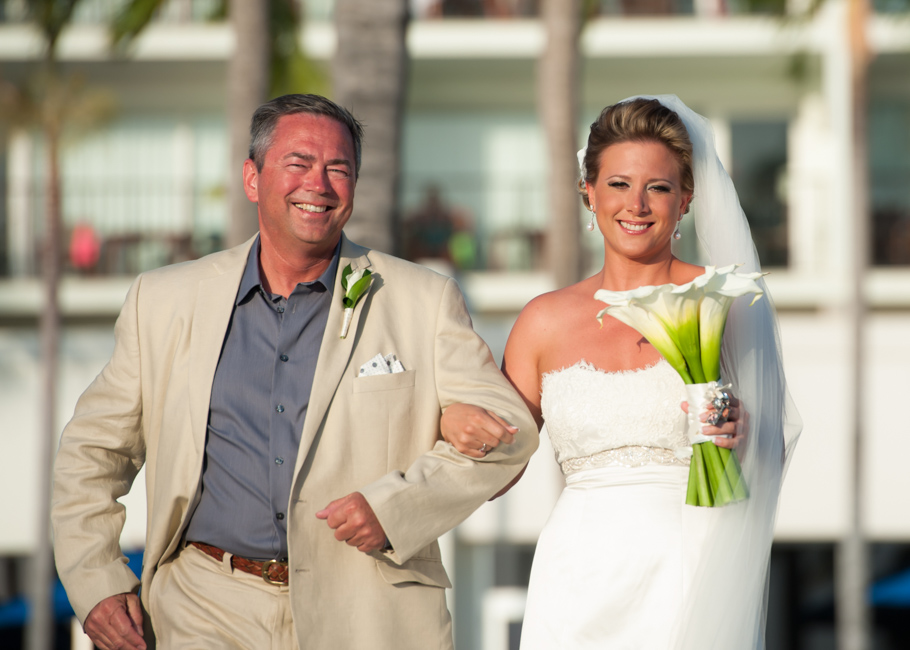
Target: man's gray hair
x,y
266,117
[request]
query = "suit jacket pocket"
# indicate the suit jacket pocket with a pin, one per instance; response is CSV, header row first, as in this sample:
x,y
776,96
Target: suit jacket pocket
x,y
391,381
419,570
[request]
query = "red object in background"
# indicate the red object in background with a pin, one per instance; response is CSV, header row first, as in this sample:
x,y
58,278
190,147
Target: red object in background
x,y
85,247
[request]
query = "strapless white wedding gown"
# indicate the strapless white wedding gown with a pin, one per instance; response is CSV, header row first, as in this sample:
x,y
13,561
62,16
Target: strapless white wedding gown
x,y
611,569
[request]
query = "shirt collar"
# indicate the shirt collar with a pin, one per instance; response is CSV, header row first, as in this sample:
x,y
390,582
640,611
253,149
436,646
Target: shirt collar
x,y
252,281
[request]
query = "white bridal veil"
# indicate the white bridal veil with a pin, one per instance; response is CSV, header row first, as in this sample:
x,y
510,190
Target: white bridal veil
x,y
726,607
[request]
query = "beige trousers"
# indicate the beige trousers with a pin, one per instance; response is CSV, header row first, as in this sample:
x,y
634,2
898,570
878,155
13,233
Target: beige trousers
x,y
200,603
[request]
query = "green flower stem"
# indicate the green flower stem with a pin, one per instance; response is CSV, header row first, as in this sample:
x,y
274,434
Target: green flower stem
x,y
711,342
686,377
692,488
705,498
734,474
685,335
715,477
723,493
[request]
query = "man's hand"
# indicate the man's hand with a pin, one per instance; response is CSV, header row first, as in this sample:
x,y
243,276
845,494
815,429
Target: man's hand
x,y
354,522
116,623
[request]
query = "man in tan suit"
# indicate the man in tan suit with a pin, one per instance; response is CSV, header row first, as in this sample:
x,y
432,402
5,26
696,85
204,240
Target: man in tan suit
x,y
255,419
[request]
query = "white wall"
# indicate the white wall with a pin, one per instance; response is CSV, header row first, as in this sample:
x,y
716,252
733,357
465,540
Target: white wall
x,y
83,353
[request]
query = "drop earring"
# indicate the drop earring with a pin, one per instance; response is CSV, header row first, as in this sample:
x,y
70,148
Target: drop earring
x,y
676,234
590,226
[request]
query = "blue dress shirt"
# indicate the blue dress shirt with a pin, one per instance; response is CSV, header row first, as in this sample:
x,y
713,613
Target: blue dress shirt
x,y
258,406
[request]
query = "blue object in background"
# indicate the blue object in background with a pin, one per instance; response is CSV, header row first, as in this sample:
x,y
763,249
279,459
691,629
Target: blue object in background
x,y
893,591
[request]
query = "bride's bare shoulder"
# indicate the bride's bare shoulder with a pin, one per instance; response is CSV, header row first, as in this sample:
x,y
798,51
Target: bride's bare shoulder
x,y
537,315
551,310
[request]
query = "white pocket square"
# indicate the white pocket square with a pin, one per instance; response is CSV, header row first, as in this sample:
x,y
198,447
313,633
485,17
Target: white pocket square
x,y
381,365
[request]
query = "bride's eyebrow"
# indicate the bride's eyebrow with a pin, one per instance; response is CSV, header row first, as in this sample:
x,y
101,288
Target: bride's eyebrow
x,y
623,177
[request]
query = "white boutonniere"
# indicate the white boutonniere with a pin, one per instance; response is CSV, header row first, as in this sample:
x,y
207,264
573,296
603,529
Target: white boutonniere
x,y
355,284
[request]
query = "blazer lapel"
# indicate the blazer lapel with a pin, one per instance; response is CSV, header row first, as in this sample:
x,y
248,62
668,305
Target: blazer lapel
x,y
214,306
211,315
335,352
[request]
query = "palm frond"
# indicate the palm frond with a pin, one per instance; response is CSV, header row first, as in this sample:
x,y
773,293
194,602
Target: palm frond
x,y
132,19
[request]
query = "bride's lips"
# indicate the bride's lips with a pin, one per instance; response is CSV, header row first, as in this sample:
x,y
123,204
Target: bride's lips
x,y
635,227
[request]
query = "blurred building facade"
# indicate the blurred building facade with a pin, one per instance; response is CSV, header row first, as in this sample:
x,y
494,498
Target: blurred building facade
x,y
149,188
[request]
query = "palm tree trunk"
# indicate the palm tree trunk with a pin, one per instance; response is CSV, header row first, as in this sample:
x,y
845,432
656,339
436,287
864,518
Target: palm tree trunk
x,y
369,75
852,569
247,89
557,94
40,634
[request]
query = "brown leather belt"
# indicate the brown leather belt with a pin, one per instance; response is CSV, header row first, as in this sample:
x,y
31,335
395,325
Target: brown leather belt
x,y
273,572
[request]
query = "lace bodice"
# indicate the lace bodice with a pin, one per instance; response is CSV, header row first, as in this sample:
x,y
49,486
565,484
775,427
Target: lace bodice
x,y
589,411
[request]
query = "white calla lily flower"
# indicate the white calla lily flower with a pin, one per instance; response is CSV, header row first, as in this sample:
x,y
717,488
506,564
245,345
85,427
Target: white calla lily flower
x,y
629,307
355,284
354,277
723,286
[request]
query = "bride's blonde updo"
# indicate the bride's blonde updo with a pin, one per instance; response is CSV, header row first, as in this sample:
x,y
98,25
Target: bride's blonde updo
x,y
637,120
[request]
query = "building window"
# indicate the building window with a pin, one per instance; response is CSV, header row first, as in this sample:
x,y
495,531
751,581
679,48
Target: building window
x,y
138,194
889,183
759,164
472,195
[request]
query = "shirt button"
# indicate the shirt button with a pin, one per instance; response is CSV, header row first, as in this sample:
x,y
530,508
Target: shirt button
x,y
279,461
283,357
280,408
279,516
280,309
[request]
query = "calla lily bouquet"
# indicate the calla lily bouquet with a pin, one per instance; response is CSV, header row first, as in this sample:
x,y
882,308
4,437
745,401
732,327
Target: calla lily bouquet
x,y
355,284
685,323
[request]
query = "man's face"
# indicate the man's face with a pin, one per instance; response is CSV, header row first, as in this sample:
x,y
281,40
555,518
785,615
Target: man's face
x,y
305,189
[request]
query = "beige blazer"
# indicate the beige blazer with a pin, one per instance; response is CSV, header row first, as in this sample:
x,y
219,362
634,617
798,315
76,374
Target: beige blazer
x,y
377,435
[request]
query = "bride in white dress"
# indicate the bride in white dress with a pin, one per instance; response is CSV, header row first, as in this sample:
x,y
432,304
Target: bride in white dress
x,y
623,563
611,568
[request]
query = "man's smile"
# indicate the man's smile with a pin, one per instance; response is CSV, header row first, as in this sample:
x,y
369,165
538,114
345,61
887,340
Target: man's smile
x,y
309,207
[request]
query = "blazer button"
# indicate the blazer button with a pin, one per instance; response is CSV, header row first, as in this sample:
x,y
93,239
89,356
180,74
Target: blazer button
x,y
279,516
280,408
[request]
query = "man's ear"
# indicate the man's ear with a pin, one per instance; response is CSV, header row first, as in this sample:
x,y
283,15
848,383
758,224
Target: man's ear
x,y
251,180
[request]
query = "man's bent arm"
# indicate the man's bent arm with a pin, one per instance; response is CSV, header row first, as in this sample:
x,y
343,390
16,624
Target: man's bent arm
x,y
101,451
442,487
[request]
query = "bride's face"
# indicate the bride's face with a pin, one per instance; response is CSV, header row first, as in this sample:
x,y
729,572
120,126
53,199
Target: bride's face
x,y
638,199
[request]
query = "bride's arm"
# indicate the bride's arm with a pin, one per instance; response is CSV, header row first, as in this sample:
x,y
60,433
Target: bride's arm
x,y
521,360
474,431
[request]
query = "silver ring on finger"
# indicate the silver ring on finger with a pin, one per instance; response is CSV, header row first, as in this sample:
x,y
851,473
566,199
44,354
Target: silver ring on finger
x,y
716,419
721,401
483,448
